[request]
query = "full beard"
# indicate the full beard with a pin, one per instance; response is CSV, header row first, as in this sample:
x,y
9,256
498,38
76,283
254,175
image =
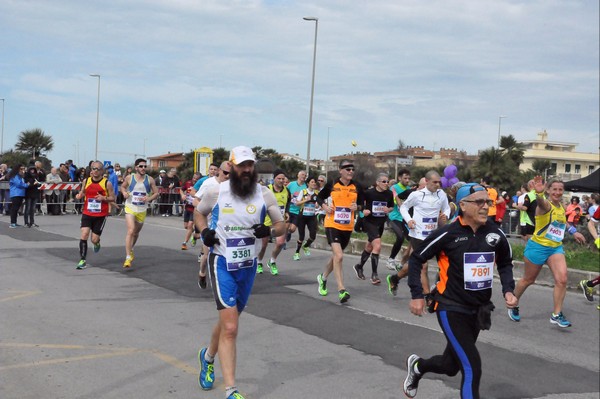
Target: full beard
x,y
244,184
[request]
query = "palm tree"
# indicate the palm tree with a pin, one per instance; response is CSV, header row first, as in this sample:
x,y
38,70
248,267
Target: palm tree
x,y
513,149
34,142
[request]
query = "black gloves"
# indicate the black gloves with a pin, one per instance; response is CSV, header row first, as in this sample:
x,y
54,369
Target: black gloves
x,y
260,230
209,237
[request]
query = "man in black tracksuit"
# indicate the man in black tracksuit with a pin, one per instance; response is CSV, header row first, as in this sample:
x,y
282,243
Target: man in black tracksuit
x,y
466,251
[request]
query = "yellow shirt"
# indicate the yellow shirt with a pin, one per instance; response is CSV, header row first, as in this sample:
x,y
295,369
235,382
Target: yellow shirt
x,y
550,227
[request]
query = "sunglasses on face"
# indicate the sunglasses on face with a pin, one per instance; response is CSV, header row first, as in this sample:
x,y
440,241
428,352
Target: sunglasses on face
x,y
383,181
96,169
226,173
142,166
321,180
481,202
349,169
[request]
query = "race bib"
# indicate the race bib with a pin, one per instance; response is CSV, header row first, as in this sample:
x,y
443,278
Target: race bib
x,y
556,231
478,270
94,206
137,198
282,210
429,224
342,215
309,209
239,253
378,208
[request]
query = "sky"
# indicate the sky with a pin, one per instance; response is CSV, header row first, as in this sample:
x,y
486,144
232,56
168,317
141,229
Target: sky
x,y
183,74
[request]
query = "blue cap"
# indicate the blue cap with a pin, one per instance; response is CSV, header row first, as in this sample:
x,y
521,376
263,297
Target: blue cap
x,y
467,190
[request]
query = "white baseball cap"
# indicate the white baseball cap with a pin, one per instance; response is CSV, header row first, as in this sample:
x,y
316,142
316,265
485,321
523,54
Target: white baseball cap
x,y
241,154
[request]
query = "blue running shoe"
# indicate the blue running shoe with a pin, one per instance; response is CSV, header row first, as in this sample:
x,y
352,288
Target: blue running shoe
x,y
513,314
235,395
560,320
97,247
207,371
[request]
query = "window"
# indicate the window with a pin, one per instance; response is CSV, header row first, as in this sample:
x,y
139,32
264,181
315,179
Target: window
x,y
552,170
577,168
590,169
162,164
567,168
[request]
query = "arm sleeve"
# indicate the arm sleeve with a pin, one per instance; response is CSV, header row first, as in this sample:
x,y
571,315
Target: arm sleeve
x,y
430,247
504,264
208,200
324,194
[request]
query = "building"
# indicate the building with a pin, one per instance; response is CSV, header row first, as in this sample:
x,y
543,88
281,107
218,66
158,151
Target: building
x,y
565,163
166,161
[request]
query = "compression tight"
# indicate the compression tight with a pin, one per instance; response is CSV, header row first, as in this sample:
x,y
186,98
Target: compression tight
x,y
461,354
83,248
399,232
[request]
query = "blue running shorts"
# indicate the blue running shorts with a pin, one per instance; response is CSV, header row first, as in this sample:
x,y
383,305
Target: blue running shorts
x,y
538,254
230,288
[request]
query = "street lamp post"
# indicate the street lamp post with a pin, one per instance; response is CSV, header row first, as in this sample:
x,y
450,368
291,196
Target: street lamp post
x,y
327,156
312,92
97,115
499,124
2,137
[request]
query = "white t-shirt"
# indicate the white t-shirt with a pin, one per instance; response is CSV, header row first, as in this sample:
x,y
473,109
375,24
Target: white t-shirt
x,y
426,206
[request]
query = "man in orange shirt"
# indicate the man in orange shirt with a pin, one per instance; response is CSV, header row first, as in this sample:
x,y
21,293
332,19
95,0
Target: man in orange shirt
x,y
339,200
493,194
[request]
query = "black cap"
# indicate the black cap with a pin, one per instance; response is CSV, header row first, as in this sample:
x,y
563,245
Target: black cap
x,y
278,172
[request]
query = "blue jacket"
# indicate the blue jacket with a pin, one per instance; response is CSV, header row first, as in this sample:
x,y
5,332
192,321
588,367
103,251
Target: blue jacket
x,y
114,180
17,186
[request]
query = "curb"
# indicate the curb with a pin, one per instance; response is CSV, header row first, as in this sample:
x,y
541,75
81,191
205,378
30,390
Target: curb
x,y
545,277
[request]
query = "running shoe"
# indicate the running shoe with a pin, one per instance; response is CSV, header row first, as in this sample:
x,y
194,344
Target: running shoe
x,y
322,285
392,288
587,291
344,296
411,383
359,272
259,268
296,256
306,251
560,320
193,241
202,281
375,279
131,255
235,395
127,262
184,246
513,314
206,378
273,267
33,225
81,265
391,264
97,247
14,226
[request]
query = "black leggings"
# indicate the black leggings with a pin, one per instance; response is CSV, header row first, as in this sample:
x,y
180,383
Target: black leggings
x,y
398,229
15,204
461,354
311,223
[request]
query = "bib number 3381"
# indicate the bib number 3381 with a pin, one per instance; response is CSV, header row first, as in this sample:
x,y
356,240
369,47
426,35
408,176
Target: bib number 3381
x,y
240,253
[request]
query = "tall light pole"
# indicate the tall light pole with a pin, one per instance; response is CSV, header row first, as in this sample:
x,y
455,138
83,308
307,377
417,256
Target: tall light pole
x,y
499,124
312,92
97,115
2,137
327,156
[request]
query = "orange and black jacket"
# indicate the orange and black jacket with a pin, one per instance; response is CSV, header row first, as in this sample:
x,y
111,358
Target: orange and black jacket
x,y
452,244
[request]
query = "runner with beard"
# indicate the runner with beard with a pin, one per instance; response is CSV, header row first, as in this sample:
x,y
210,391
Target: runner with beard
x,y
138,190
238,208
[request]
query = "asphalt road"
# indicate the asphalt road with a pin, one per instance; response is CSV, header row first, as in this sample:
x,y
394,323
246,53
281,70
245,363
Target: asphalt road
x,y
108,332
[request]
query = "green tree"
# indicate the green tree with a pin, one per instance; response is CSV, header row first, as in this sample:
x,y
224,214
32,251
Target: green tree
x,y
512,149
503,171
34,142
12,158
540,166
220,155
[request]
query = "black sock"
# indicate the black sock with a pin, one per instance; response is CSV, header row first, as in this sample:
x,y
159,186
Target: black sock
x,y
298,246
83,248
374,262
308,242
363,257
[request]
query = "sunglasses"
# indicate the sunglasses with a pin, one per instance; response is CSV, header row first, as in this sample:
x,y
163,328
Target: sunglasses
x,y
95,169
350,169
480,202
320,180
142,166
383,181
226,173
